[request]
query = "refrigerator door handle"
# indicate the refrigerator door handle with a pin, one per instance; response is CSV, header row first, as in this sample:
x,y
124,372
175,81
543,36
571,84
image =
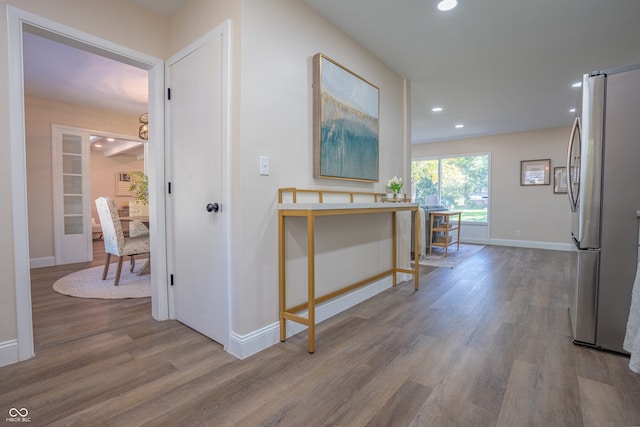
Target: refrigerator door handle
x,y
573,180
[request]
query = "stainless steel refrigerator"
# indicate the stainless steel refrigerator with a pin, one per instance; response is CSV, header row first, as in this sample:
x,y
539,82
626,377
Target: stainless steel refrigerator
x,y
603,180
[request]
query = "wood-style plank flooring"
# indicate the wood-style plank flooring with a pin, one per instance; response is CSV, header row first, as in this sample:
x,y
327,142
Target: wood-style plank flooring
x,y
484,344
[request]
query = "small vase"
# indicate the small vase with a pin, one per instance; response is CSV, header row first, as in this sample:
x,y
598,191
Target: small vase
x,y
391,195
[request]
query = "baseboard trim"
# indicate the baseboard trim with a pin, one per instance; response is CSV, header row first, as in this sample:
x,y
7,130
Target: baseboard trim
x,y
8,352
243,346
531,244
554,246
48,261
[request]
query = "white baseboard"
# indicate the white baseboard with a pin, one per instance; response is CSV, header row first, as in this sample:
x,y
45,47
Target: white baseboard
x,y
531,244
243,346
403,277
521,244
48,261
8,352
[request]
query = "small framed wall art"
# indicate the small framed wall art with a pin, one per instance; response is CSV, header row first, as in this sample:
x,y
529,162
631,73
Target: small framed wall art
x,y
560,180
535,172
123,182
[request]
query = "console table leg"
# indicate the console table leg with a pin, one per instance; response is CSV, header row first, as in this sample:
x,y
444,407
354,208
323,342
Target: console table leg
x,y
394,244
311,274
282,272
416,247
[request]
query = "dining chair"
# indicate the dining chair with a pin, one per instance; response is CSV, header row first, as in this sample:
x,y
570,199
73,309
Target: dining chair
x,y
136,229
114,241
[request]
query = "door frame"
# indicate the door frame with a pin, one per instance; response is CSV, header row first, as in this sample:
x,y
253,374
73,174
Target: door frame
x,y
223,31
155,67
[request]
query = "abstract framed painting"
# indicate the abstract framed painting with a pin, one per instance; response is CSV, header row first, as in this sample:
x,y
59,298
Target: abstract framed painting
x,y
346,135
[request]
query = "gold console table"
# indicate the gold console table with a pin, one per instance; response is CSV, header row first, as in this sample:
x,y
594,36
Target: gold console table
x,y
357,205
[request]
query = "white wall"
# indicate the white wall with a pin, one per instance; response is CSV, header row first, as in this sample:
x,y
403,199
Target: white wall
x,y
541,217
271,115
279,39
119,21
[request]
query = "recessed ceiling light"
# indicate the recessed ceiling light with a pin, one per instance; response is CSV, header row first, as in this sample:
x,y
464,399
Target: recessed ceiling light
x,y
97,145
577,84
459,126
436,109
573,110
445,5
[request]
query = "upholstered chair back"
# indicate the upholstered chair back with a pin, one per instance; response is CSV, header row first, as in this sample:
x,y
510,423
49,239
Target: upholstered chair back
x,y
137,229
111,228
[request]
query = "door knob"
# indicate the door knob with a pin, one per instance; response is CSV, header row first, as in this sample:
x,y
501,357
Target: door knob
x,y
213,207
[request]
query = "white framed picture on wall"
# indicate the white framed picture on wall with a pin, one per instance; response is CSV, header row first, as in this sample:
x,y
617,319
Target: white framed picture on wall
x,y
560,180
123,182
535,172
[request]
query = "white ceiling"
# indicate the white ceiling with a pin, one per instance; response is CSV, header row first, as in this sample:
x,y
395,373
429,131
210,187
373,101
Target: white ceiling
x,y
57,71
110,146
162,7
496,66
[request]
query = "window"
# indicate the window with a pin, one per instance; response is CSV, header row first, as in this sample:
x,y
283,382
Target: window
x,y
459,183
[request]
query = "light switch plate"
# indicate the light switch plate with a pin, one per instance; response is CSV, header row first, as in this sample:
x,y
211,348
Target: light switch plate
x,y
264,165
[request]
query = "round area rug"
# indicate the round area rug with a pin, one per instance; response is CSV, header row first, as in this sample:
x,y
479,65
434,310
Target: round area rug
x,y
88,283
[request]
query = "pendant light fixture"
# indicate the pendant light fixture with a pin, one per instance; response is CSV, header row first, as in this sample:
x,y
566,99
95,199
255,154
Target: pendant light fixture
x,y
143,130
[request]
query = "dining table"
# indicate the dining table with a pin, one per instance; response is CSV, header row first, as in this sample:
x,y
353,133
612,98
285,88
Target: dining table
x,y
146,267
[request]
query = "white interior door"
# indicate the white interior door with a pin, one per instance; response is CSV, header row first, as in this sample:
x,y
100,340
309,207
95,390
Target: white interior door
x,y
196,210
71,194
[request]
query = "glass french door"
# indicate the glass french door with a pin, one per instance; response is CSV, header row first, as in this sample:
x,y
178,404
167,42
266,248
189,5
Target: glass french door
x,y
71,194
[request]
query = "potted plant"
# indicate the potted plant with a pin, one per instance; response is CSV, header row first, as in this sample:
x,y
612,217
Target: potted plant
x,y
139,190
395,185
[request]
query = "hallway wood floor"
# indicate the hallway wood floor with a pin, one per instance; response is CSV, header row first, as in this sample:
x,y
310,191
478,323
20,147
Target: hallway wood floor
x,y
484,344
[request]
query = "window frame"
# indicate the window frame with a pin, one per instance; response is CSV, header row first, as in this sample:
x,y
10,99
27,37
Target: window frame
x,y
439,185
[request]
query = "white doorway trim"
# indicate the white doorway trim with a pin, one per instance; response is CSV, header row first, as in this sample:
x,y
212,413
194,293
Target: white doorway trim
x,y
155,67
